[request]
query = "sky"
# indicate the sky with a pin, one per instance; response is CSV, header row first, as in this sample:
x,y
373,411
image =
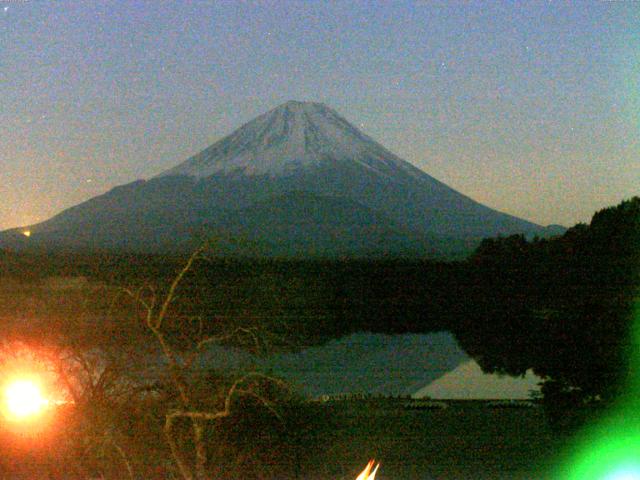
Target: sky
x,y
528,107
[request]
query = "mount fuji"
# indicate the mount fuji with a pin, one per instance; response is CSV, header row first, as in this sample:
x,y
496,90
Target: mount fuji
x,y
299,180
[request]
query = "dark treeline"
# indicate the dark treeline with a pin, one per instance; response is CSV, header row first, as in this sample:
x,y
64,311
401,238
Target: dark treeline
x,y
560,306
563,306
299,302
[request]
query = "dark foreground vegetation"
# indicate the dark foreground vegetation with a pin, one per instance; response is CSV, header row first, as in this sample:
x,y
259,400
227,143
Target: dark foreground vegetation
x,y
467,441
560,306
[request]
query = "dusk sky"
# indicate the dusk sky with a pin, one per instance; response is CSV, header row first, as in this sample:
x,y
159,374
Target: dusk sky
x,y
529,107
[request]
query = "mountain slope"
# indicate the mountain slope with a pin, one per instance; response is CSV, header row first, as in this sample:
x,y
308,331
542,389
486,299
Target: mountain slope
x,y
292,136
304,224
297,148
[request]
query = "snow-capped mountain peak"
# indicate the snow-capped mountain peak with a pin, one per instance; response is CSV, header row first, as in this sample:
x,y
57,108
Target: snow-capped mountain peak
x,y
298,180
293,135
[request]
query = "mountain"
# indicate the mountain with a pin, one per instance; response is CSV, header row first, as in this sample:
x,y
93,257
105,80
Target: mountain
x,y
297,180
468,381
359,363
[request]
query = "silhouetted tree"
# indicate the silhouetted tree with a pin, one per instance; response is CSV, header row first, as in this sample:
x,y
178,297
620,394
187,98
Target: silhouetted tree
x,y
562,307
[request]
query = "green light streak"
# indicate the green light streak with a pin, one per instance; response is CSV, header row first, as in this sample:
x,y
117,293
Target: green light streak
x,y
610,449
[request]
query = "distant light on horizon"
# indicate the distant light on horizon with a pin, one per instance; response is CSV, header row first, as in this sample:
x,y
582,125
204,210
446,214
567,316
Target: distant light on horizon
x,y
26,233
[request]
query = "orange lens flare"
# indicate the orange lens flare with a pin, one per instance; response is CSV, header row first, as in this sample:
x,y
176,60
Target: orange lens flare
x,y
23,399
369,473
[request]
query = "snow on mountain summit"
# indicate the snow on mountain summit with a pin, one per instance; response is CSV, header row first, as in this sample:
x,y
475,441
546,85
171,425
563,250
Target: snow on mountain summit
x,y
298,180
293,135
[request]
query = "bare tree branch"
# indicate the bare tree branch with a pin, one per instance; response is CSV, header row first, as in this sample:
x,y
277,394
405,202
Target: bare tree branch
x,y
174,285
179,366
